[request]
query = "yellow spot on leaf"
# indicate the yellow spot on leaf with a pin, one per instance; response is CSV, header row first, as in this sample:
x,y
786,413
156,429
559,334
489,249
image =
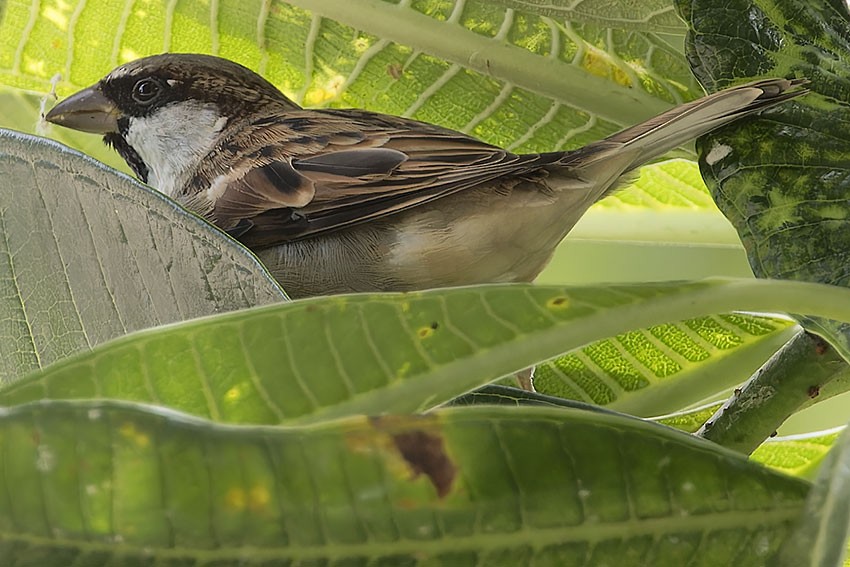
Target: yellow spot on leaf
x,y
58,15
558,303
128,55
403,370
359,442
621,78
596,63
407,504
235,498
425,332
34,67
233,394
129,431
258,498
329,90
599,63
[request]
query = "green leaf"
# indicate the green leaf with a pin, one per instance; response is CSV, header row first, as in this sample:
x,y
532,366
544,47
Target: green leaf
x,y
689,420
672,185
511,77
781,180
384,353
647,15
797,455
667,367
106,483
820,537
87,255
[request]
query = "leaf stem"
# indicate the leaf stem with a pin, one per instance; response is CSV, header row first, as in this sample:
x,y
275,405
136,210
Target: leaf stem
x,y
792,377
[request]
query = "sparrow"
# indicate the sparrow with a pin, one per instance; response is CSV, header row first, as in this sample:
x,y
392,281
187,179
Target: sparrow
x,y
343,200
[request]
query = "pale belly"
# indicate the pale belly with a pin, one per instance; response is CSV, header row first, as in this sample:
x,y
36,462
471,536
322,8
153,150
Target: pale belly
x,y
456,243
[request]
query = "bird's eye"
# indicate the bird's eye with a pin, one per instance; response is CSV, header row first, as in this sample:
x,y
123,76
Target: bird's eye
x,y
146,91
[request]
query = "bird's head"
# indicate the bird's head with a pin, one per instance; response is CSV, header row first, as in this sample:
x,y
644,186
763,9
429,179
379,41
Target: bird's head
x,y
164,113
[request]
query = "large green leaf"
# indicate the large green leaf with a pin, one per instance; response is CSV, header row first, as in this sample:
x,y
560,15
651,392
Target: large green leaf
x,y
87,255
511,77
324,358
782,181
102,483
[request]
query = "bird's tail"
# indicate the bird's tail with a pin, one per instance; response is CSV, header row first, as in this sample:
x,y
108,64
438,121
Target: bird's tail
x,y
655,137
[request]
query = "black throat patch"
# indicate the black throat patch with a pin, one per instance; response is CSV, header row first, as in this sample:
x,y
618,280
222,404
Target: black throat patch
x,y
118,142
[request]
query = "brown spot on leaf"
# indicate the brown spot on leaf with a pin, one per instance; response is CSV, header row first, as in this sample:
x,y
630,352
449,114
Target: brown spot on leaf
x,y
557,303
394,70
813,391
821,346
425,454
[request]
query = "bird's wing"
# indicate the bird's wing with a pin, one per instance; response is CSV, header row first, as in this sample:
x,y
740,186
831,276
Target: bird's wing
x,y
306,172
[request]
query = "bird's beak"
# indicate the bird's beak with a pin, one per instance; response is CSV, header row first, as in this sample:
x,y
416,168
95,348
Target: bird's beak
x,y
87,111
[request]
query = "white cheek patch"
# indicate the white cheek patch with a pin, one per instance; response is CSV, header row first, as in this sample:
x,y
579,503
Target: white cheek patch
x,y
172,141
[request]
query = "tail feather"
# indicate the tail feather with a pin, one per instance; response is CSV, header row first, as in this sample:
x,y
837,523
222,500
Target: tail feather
x,y
660,134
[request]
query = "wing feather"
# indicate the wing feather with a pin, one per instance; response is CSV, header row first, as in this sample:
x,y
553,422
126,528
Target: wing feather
x,y
306,172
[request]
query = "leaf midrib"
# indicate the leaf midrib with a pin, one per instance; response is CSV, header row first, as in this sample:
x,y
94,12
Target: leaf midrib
x,y
547,76
535,537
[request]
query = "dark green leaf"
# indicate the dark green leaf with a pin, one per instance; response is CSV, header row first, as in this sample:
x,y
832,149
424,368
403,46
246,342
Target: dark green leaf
x,y
782,180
